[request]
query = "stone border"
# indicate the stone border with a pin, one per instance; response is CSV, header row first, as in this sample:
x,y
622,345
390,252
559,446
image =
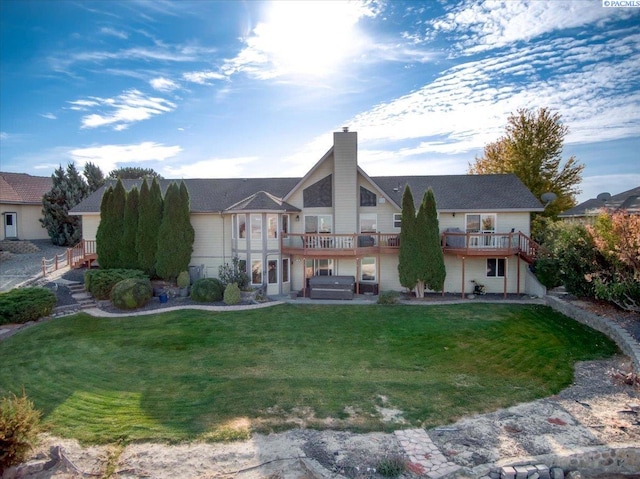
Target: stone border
x,y
627,344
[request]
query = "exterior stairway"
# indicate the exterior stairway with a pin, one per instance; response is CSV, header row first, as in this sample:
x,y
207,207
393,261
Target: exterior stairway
x,y
84,299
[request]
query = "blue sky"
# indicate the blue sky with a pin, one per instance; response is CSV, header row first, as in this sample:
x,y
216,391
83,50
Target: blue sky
x,y
249,88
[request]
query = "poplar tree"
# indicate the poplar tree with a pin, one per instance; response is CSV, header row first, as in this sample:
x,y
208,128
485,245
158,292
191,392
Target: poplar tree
x,y
175,236
432,272
407,270
149,219
105,248
128,251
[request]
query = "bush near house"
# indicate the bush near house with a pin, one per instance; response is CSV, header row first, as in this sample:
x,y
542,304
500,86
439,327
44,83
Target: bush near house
x,y
26,304
207,290
19,424
100,282
231,294
131,293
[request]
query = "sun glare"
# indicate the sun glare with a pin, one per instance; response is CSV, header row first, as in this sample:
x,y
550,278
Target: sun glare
x,y
309,37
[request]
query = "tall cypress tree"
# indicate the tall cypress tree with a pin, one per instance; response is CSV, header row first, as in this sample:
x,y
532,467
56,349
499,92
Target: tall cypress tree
x,y
430,261
116,211
407,270
150,217
128,251
175,238
107,254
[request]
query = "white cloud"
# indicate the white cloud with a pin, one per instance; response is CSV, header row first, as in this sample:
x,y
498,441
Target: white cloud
x,y
108,157
163,84
129,107
203,77
211,168
48,116
114,33
493,24
4,135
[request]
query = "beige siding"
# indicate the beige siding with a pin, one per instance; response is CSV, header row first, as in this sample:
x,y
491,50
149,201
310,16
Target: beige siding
x,y
323,170
476,268
345,182
504,221
90,225
212,244
28,221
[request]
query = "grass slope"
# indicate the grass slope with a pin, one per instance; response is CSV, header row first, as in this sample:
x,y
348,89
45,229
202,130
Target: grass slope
x,y
188,374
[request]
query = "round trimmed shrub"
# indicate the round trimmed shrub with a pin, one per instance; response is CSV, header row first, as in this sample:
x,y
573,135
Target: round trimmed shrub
x,y
131,293
231,294
207,290
100,282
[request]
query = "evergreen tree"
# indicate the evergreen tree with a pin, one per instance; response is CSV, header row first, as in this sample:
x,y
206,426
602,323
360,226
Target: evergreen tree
x,y
128,251
107,254
149,220
134,173
432,272
94,176
69,189
109,235
407,270
175,237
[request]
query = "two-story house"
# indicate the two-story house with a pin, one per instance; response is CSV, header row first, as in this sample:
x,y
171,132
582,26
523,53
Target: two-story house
x,y
337,220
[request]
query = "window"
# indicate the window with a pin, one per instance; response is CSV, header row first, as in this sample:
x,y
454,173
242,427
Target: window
x,y
242,226
272,226
242,265
285,270
481,223
368,223
495,267
256,272
319,194
367,198
317,224
285,223
256,227
397,220
368,269
272,271
319,267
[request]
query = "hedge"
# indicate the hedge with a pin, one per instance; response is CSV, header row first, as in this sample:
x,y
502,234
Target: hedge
x,y
100,282
26,304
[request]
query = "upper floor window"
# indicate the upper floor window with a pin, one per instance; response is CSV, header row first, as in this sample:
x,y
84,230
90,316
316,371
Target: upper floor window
x,y
272,226
397,220
256,227
481,223
242,226
285,223
317,224
367,198
368,223
319,194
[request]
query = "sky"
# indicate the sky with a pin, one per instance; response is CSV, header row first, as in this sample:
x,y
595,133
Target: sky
x,y
216,89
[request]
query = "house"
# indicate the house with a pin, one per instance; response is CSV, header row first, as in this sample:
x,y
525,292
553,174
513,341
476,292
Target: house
x,y
587,211
337,220
21,205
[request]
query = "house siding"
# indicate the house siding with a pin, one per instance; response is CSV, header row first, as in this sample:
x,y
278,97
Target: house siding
x,y
28,221
345,183
212,242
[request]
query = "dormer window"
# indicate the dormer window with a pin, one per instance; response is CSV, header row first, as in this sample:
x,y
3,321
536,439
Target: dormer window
x,y
367,198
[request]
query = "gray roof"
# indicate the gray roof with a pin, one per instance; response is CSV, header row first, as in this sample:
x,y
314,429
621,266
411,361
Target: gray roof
x,y
452,192
627,200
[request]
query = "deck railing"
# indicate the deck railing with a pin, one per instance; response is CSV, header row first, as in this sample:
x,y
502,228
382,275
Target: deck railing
x,y
327,243
483,244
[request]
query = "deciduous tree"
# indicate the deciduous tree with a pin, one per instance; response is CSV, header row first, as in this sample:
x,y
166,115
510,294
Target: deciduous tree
x,y
134,173
532,149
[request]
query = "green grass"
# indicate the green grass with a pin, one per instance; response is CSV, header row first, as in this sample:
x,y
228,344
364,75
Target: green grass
x,y
193,374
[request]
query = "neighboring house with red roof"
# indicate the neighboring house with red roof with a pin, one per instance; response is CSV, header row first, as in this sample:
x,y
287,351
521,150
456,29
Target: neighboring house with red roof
x,y
21,205
587,211
339,221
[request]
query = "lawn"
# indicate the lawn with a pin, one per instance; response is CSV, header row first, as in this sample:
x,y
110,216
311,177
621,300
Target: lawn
x,y
193,374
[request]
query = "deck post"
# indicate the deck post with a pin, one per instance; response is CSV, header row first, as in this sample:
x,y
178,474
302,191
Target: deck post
x,y
463,267
506,273
304,277
518,280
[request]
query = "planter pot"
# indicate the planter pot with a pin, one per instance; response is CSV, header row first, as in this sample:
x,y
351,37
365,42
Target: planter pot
x,y
163,297
184,292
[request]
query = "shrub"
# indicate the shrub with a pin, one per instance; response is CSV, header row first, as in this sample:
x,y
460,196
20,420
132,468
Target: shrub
x,y
207,290
184,280
391,466
234,273
19,424
231,294
388,297
26,304
131,293
100,282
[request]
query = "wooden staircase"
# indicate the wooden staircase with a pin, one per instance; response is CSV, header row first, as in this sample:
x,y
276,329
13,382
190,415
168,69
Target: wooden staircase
x,y
528,249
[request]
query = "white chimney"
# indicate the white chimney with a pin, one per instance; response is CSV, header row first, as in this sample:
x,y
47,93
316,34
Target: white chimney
x,y
345,183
